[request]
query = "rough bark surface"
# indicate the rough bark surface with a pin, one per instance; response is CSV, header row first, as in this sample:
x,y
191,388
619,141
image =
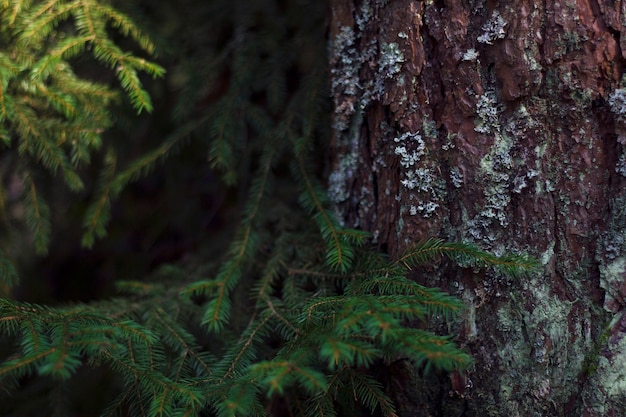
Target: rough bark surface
x,y
501,123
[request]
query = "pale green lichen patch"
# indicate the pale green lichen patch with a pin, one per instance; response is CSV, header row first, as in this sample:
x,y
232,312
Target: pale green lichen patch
x,y
542,350
617,102
611,257
620,167
410,148
497,195
501,171
551,337
426,209
364,16
390,61
540,150
547,256
456,177
345,76
493,29
521,181
495,168
338,179
470,55
608,381
422,188
612,277
612,244
350,98
420,179
347,55
531,52
400,226
487,112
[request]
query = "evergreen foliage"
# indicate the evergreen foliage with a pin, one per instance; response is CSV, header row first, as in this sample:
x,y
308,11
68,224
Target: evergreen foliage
x,y
299,310
308,334
51,117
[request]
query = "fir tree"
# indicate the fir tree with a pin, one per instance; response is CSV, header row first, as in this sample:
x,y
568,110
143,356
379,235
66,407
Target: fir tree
x,y
51,118
298,310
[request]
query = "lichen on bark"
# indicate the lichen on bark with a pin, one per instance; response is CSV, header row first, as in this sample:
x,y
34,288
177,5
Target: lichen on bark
x,y
518,110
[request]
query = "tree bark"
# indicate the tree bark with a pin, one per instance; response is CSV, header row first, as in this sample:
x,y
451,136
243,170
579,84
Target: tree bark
x,y
501,123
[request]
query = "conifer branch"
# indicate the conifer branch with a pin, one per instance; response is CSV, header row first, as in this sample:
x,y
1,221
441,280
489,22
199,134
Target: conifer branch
x,y
224,136
5,100
244,346
241,250
146,163
17,8
464,253
37,217
56,117
98,212
8,274
371,393
340,242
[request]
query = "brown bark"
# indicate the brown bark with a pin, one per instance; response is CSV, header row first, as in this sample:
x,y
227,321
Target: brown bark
x,y
500,123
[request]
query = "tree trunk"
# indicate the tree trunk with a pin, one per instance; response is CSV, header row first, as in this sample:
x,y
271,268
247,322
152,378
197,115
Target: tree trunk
x,y
503,124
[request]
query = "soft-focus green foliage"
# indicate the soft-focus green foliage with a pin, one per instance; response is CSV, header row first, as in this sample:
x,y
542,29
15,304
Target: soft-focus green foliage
x,y
299,310
51,117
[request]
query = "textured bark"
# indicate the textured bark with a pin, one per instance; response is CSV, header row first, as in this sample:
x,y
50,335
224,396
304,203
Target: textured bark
x,y
500,123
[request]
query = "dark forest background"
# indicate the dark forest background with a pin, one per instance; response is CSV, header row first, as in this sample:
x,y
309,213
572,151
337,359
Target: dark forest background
x,y
181,209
